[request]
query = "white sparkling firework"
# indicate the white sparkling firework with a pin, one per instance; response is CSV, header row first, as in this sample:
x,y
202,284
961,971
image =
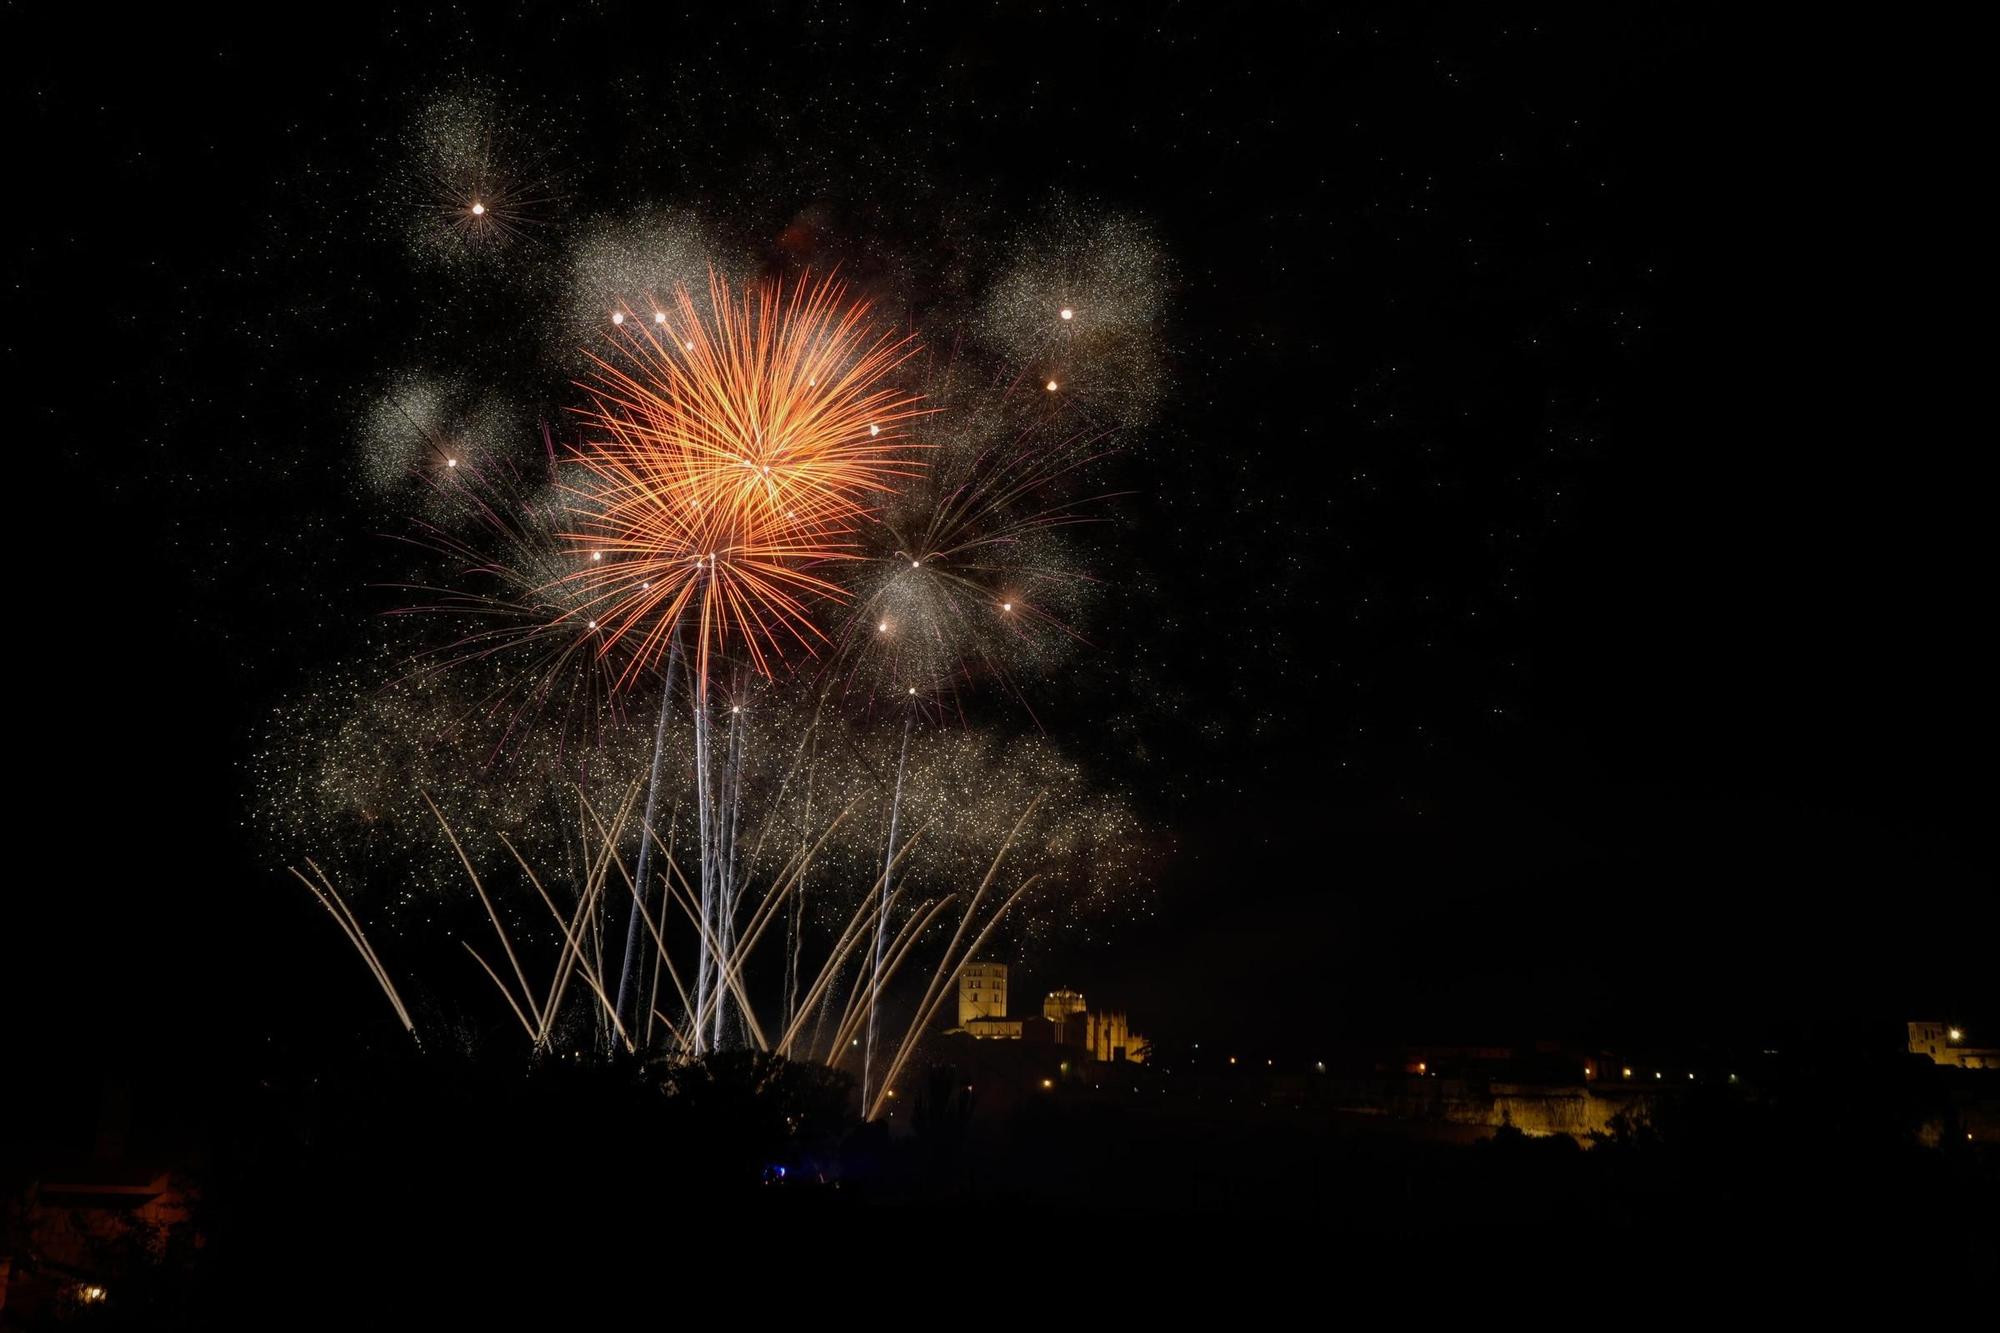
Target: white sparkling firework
x,y
628,267
1078,311
425,438
475,186
343,769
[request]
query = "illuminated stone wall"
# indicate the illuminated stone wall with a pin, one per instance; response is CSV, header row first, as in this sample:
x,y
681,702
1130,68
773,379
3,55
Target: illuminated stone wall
x,y
982,992
1002,1029
1108,1036
1947,1045
1578,1110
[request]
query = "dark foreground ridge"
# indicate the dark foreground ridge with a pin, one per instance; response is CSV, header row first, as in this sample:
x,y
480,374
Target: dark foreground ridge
x,y
428,1184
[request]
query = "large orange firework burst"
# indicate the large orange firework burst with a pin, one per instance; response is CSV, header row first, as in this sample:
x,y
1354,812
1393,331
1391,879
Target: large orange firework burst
x,y
731,452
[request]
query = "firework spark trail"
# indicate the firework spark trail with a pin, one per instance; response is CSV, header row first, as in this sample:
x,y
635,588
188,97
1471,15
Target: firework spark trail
x,y
803,755
821,990
574,933
972,907
795,918
642,874
575,957
593,973
705,821
935,993
505,994
350,925
852,936
660,956
731,961
924,1016
734,960
882,917
726,977
484,900
546,1015
859,1009
709,941
732,793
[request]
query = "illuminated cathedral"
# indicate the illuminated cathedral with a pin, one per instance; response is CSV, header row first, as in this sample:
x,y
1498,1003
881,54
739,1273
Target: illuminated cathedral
x,y
1065,1020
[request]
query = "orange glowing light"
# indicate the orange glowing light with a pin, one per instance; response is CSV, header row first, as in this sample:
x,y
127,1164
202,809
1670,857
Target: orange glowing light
x,y
730,453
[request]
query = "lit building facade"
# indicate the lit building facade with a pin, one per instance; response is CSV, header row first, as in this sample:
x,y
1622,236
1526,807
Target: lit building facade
x,y
1065,1020
1947,1045
1108,1036
982,993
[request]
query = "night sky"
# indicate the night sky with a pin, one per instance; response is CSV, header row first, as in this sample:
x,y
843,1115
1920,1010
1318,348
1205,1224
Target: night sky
x,y
1545,602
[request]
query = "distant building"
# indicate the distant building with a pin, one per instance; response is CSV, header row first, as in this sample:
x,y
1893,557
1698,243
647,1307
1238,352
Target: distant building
x,y
1003,1029
1060,1004
982,992
1065,1019
1947,1045
1108,1037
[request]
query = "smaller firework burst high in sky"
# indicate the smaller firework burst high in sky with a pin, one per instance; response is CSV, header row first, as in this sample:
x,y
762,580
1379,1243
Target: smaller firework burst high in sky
x,y
474,184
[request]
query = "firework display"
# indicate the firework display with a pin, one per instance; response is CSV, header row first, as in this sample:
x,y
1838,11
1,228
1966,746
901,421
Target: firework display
x,y
714,665
1076,312
615,262
735,447
474,185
